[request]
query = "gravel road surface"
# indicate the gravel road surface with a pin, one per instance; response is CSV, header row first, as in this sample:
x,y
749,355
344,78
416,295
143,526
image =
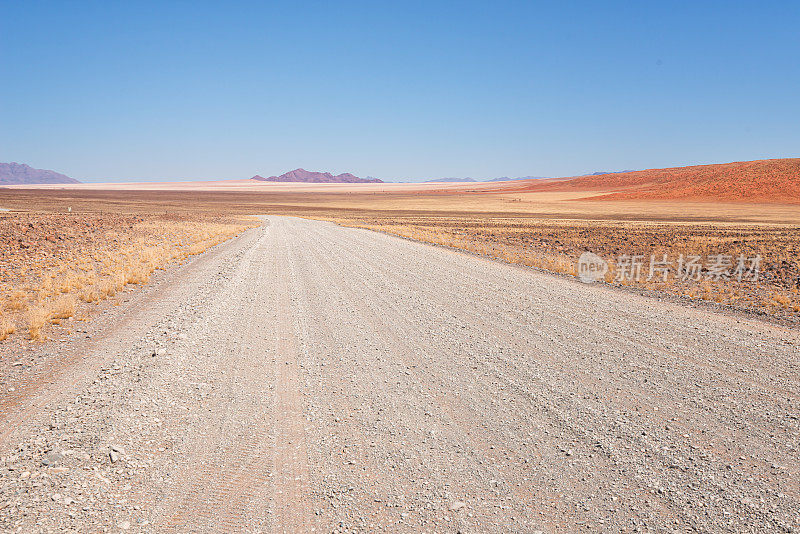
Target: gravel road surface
x,y
306,377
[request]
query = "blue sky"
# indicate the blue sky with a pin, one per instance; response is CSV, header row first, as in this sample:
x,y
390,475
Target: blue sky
x,y
118,91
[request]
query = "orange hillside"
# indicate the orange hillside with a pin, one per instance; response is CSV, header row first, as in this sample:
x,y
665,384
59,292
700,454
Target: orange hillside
x,y
769,180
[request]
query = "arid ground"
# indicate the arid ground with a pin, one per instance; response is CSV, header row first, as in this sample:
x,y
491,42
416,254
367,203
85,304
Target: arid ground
x,y
313,375
542,229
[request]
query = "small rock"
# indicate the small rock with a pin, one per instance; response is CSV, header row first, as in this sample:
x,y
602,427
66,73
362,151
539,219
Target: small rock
x,y
52,458
125,525
456,506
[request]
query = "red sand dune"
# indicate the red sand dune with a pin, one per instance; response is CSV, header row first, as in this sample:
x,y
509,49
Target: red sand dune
x,y
769,180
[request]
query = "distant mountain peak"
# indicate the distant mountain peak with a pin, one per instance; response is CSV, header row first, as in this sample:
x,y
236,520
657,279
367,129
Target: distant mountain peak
x,y
302,175
21,173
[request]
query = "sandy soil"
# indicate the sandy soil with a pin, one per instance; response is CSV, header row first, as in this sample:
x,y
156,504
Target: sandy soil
x,y
555,245
261,186
309,377
55,266
338,200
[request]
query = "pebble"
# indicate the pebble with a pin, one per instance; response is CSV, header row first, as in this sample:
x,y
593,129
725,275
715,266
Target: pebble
x,y
51,458
101,487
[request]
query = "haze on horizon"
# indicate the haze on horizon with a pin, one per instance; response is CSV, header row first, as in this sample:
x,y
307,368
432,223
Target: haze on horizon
x,y
147,91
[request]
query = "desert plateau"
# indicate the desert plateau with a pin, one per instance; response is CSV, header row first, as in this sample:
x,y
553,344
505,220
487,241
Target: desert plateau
x,y
71,255
429,268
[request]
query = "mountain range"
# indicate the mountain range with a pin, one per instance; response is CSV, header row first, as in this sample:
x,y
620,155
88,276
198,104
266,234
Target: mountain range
x,y
302,175
19,173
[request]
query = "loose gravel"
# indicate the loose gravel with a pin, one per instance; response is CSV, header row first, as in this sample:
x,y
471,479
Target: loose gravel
x,y
309,377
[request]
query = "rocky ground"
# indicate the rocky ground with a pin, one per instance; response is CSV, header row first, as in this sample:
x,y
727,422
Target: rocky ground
x,y
308,377
771,290
58,266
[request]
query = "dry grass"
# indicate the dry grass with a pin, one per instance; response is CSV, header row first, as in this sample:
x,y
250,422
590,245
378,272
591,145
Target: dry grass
x,y
52,265
17,300
6,327
555,246
49,312
126,235
781,300
63,308
37,318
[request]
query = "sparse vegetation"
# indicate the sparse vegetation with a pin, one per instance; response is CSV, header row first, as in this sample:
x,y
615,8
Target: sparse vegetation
x,y
555,245
52,264
63,308
6,327
37,318
546,230
17,300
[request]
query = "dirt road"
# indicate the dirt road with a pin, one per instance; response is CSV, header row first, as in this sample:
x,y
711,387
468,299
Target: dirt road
x,y
307,377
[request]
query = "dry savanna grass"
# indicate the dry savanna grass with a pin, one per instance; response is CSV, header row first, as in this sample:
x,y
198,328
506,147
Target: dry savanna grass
x,y
545,229
6,327
16,300
53,264
555,245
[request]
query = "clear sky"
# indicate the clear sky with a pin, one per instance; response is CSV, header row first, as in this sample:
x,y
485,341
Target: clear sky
x,y
118,90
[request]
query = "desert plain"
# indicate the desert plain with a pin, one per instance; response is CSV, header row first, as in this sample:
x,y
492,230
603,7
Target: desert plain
x,y
229,356
544,224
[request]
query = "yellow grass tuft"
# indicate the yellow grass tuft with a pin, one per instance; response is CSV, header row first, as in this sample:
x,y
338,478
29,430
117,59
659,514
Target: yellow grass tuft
x,y
90,295
6,328
17,301
37,317
63,307
781,300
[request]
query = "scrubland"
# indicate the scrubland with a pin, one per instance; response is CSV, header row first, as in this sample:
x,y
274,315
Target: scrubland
x,y
555,245
547,230
53,265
